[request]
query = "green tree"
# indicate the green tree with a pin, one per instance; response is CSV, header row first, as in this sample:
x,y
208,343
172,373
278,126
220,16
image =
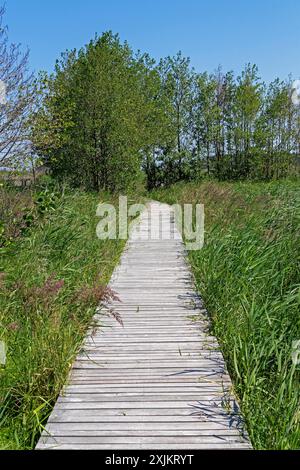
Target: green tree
x,y
177,79
97,110
248,103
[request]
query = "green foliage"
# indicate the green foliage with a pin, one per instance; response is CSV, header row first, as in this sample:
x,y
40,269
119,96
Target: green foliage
x,y
45,201
97,115
248,275
107,113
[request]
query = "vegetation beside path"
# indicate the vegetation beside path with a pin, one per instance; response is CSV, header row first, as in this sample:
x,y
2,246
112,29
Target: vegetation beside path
x,y
54,271
248,273
53,274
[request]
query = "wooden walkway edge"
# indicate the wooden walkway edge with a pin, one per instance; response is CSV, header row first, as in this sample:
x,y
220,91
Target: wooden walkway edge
x,y
159,381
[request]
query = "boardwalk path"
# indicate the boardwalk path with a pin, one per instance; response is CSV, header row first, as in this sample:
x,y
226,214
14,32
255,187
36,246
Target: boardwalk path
x,y
158,382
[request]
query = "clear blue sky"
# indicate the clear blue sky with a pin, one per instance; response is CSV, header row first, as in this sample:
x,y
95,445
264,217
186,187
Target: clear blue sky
x,y
226,32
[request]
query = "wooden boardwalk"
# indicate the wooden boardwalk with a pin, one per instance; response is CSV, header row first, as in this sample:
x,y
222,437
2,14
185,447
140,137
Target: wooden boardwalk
x,y
159,381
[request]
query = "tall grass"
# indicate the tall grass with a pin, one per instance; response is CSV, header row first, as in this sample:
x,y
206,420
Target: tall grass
x,y
52,279
248,275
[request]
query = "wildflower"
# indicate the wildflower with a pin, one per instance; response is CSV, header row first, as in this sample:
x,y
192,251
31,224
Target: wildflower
x,y
14,326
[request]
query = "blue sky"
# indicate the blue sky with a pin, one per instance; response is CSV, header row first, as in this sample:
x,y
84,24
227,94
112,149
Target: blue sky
x,y
226,32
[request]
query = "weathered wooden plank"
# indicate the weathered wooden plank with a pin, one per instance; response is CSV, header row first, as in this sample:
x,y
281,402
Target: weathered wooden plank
x,y
145,332
101,369
178,366
205,435
162,348
75,404
115,397
192,414
150,354
177,389
156,308
137,446
141,439
128,324
145,379
226,439
156,339
162,373
104,426
201,351
224,434
141,323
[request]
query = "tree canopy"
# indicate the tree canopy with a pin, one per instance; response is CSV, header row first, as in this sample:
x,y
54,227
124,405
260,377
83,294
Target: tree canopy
x,y
108,118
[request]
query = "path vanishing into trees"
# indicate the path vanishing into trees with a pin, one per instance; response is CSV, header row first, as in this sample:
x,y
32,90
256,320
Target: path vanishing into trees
x,y
159,380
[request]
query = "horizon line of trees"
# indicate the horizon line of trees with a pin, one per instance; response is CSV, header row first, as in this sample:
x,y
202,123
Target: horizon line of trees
x,y
109,118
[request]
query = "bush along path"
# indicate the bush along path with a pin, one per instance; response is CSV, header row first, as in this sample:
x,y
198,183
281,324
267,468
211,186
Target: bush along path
x,y
156,378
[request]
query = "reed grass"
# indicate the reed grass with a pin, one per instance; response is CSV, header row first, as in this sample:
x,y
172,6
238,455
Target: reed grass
x,y
248,275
